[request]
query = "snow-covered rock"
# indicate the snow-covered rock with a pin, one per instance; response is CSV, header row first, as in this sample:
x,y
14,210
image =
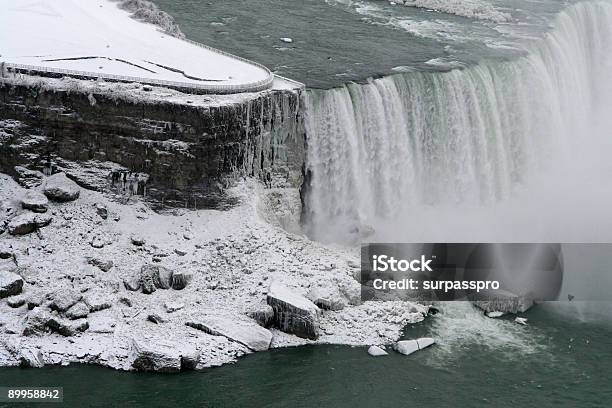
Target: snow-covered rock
x,y
28,222
16,301
408,347
31,357
162,356
327,298
77,311
35,201
63,299
180,280
243,331
60,188
293,313
286,40
521,320
10,284
376,351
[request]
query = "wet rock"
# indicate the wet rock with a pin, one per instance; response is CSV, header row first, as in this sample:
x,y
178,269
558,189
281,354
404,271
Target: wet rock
x,y
104,266
16,301
263,315
245,332
293,313
180,280
63,299
155,318
376,351
60,188
35,201
408,347
10,284
27,223
172,307
77,311
31,357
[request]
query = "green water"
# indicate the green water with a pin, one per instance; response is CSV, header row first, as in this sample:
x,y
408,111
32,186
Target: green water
x,y
335,42
567,365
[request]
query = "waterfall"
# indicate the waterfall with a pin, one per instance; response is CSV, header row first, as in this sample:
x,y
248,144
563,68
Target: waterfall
x,y
407,145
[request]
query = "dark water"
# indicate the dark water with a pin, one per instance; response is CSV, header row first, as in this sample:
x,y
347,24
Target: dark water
x,y
570,367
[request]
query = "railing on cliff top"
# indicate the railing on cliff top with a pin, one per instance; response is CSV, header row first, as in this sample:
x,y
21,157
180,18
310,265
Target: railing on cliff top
x,y
181,86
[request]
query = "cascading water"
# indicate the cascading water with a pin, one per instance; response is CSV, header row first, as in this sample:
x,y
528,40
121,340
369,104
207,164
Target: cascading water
x,y
486,152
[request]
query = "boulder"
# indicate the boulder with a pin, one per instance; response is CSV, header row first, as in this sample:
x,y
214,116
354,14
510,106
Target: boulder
x,y
36,322
63,299
97,301
27,223
263,315
502,301
408,347
155,318
180,280
35,201
132,283
104,266
16,301
245,332
376,351
293,313
77,311
31,357
67,328
160,356
60,188
101,210
137,240
10,284
153,277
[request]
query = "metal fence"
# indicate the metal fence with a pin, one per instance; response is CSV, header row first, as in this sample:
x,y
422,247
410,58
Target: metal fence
x,y
181,86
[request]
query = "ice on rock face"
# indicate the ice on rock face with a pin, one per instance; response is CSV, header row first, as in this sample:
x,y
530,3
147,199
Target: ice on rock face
x,y
293,313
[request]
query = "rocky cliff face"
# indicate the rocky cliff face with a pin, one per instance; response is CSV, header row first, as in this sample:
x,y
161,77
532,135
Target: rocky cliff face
x,y
177,149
